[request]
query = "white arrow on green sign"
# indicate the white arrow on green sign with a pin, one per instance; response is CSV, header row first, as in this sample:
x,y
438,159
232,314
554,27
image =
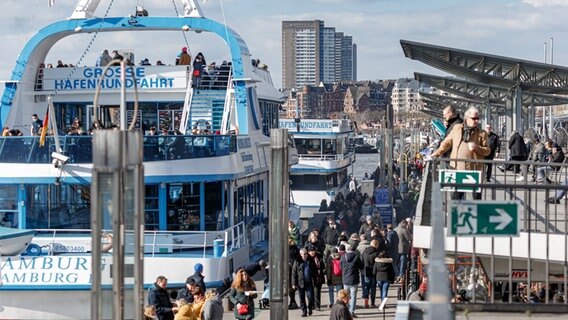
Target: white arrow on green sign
x,y
484,218
460,177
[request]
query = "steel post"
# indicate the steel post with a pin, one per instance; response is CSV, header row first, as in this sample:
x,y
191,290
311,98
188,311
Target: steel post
x,y
438,294
279,202
117,188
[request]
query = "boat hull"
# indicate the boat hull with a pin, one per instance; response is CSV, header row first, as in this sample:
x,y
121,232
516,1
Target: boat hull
x,y
14,241
367,148
63,278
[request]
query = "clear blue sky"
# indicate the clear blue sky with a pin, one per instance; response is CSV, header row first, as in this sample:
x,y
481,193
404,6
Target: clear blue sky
x,y
516,28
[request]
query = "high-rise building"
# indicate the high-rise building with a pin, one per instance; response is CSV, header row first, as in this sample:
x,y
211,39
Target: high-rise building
x,y
312,53
344,65
328,55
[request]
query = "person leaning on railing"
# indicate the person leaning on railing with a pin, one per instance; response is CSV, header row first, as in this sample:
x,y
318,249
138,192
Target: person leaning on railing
x,y
466,141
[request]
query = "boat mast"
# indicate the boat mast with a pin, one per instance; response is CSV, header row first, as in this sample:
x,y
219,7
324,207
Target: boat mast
x,y
85,9
192,9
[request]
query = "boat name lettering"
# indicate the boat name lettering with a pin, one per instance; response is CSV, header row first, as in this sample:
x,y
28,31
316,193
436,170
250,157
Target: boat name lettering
x,y
244,143
46,263
113,72
246,157
306,124
43,277
249,169
47,270
112,83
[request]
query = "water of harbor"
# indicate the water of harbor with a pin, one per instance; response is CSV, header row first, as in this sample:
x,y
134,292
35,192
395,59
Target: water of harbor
x,y
366,162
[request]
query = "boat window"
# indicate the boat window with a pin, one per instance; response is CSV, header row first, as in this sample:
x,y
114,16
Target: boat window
x,y
8,206
329,146
183,206
152,207
314,146
308,146
269,111
312,182
214,211
64,206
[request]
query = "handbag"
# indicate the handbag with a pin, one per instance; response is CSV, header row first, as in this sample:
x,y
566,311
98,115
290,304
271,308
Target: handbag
x,y
243,309
196,73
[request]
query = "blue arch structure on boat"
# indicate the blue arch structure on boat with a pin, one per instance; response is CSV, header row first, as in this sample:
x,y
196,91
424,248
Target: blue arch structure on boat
x,y
40,44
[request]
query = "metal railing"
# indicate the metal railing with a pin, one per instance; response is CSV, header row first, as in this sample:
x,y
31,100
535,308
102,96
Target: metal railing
x,y
58,241
325,157
538,257
79,148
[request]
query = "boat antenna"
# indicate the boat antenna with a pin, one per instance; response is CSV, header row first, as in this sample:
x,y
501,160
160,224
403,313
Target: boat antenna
x,y
224,20
183,32
88,47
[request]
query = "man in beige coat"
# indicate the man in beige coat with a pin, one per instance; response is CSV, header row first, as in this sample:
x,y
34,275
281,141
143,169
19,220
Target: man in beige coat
x,y
466,141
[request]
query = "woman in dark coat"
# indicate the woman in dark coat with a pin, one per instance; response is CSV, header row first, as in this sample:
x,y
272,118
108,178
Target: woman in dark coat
x,y
517,149
243,291
384,273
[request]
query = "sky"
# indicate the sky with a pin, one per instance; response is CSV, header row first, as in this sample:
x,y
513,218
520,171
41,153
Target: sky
x,y
513,28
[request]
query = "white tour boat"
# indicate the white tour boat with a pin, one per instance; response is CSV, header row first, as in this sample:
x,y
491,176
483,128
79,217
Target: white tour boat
x,y
206,173
325,161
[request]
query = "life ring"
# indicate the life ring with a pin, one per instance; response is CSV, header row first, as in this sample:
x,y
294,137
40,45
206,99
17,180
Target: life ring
x,y
33,250
108,245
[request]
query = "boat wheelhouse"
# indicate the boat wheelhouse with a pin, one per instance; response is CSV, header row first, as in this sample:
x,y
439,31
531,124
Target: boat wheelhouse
x,y
325,161
206,172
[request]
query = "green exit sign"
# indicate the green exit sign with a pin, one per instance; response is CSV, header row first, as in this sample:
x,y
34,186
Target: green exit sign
x,y
484,218
472,177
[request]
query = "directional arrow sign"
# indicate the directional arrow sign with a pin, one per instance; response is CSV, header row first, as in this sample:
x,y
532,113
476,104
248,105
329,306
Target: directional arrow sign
x,y
503,219
484,218
460,177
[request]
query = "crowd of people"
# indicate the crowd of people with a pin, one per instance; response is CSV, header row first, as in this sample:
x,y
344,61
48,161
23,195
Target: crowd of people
x,y
193,301
352,248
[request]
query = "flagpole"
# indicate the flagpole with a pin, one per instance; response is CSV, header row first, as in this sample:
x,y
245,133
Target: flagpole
x,y
53,125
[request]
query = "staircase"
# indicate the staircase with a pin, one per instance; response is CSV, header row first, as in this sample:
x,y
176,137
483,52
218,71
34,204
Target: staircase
x,y
206,105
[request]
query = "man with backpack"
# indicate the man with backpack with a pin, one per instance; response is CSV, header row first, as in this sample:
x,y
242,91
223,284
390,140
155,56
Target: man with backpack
x,y
334,273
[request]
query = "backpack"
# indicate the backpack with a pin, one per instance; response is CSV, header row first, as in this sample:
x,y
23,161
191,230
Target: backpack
x,y
336,267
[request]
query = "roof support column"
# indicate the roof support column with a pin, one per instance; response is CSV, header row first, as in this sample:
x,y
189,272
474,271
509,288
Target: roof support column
x,y
488,115
532,116
517,105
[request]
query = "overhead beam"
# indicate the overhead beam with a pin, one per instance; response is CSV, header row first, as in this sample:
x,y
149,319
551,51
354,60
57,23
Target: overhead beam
x,y
491,69
493,95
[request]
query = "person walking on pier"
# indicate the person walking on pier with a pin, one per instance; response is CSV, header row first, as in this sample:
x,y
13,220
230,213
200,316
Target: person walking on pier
x,y
383,271
340,310
351,265
495,146
369,281
334,274
517,150
242,295
303,279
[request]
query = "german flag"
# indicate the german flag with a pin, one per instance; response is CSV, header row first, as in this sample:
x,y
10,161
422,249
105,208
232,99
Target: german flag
x,y
44,128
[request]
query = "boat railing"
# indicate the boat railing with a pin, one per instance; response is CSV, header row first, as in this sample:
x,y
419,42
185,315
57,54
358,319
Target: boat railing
x,y
79,148
324,157
60,241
